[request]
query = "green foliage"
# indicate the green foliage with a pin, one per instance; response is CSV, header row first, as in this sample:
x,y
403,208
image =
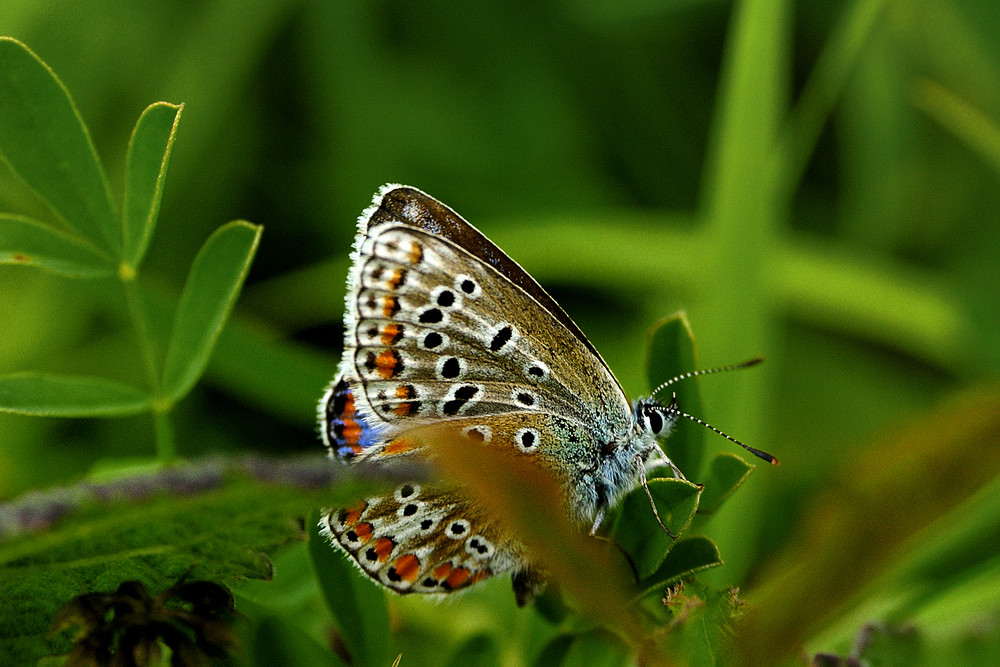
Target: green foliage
x,y
813,182
213,521
48,395
145,170
45,142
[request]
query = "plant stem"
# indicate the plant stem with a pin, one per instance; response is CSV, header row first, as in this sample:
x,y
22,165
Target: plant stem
x,y
166,449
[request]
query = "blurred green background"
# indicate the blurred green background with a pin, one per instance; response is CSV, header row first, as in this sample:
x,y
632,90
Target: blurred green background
x,y
815,182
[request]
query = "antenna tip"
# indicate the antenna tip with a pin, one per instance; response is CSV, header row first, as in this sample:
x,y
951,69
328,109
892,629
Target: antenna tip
x,y
775,462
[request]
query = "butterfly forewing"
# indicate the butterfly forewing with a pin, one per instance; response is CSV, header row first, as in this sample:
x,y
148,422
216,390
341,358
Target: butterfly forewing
x,y
416,209
428,342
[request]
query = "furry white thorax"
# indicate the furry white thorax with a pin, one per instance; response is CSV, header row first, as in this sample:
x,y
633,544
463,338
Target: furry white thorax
x,y
621,466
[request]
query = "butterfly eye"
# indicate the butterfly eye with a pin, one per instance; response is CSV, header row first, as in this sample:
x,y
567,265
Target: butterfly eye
x,y
654,421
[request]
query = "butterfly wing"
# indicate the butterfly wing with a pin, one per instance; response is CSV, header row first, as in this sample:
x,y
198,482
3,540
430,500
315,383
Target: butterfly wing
x,y
442,325
421,539
443,329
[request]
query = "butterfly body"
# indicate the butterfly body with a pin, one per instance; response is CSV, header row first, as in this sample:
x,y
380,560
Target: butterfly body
x,y
443,329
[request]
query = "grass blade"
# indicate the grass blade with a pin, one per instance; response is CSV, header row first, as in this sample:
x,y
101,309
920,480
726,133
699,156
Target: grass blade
x,y
358,605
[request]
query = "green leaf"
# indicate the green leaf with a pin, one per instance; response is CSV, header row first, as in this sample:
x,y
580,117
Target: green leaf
x,y
550,604
357,604
671,353
277,642
688,557
31,243
726,473
211,289
145,170
50,395
43,139
222,519
701,619
636,530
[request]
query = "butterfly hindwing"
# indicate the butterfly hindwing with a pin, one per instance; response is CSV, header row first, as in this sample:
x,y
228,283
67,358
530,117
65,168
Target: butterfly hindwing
x,y
420,538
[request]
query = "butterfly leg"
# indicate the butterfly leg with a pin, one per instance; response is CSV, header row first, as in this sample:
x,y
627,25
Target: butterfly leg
x,y
663,460
645,486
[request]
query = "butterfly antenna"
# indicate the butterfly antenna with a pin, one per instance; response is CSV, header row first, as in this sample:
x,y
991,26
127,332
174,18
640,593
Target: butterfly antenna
x,y
707,371
753,450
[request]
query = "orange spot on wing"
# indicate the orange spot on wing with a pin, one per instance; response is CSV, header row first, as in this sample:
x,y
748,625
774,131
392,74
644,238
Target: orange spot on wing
x,y
405,409
398,276
407,567
478,576
442,571
388,363
391,334
383,547
399,446
390,306
363,531
20,258
352,429
353,513
416,253
458,577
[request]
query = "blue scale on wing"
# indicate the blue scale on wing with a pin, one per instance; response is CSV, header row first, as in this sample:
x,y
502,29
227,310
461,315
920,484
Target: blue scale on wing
x,y
345,432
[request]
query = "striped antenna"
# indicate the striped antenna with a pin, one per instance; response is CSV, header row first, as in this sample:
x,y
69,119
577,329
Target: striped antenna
x,y
759,453
707,371
673,405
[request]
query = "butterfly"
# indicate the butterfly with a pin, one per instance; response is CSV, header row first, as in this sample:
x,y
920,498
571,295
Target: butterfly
x,y
443,328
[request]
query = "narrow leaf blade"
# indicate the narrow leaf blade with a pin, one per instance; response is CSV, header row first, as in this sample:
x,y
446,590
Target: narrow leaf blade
x,y
211,289
50,395
145,171
44,140
27,242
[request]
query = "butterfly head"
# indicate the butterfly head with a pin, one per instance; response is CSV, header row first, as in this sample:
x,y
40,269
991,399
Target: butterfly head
x,y
655,419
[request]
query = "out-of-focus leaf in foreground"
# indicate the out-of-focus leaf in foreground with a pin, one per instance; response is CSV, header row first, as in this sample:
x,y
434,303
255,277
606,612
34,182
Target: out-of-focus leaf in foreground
x,y
866,521
529,503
